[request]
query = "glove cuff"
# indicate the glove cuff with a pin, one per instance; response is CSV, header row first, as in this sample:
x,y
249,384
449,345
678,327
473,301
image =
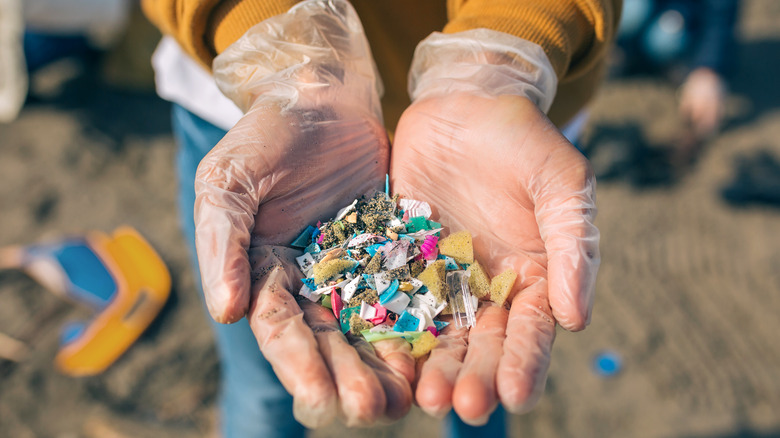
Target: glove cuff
x,y
482,61
314,54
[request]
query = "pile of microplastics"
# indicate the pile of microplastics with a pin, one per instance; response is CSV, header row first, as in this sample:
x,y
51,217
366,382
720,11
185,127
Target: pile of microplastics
x,y
382,268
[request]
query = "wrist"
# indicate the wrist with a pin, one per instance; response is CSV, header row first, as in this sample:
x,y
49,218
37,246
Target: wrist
x,y
315,54
485,62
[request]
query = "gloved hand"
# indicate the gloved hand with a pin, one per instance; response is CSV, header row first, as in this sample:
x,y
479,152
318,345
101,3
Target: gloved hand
x,y
476,145
702,100
311,141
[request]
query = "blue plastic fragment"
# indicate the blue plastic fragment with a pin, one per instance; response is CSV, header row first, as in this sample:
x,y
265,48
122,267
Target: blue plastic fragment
x,y
309,282
389,293
387,184
607,363
406,323
371,250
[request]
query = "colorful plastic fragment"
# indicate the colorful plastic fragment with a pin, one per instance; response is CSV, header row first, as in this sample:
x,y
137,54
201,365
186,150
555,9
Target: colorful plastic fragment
x,y
501,285
433,277
458,246
388,273
428,248
424,344
479,282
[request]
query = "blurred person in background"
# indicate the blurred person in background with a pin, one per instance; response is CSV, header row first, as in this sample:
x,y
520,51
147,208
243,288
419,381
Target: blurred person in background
x,y
690,42
295,131
35,33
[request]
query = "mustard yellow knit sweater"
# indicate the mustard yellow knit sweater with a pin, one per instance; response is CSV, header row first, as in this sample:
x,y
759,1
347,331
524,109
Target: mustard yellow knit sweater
x,y
575,34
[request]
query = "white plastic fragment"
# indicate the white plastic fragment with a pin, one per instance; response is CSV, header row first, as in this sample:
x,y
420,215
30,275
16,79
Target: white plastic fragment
x,y
414,208
345,211
305,262
428,301
421,313
309,294
416,284
367,311
350,288
382,281
362,239
398,303
394,254
422,234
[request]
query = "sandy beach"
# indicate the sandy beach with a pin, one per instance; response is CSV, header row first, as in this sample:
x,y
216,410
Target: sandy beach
x,y
688,294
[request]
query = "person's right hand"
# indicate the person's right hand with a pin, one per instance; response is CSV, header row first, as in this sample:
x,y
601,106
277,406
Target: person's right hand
x,y
311,141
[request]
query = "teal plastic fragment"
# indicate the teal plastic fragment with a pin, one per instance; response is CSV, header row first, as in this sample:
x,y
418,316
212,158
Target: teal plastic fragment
x,y
440,324
369,280
304,239
345,315
449,263
417,223
314,248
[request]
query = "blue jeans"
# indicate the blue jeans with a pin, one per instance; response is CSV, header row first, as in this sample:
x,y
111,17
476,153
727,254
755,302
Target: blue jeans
x,y
252,401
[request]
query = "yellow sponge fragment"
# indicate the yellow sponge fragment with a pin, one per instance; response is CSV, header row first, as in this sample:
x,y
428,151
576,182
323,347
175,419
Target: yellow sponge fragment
x,y
434,278
424,344
458,246
324,271
501,286
479,282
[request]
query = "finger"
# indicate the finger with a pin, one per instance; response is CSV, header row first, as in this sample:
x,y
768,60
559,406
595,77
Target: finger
x,y
475,397
437,373
361,396
397,390
397,354
530,332
286,340
225,207
565,211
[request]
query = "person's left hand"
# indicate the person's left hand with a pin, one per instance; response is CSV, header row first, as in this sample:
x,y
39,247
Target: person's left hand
x,y
702,100
497,167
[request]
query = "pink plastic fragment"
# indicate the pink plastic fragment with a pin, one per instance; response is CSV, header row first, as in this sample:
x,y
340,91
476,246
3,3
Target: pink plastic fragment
x,y
433,330
381,314
320,238
335,302
429,249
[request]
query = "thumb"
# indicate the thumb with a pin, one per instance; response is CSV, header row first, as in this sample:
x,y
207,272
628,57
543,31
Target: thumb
x,y
565,208
226,202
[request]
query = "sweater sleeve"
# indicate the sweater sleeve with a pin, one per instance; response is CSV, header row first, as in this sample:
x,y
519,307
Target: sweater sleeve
x,y
205,28
575,34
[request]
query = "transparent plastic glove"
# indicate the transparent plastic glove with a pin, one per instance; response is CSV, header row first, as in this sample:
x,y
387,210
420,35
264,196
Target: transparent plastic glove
x,y
496,166
311,141
702,99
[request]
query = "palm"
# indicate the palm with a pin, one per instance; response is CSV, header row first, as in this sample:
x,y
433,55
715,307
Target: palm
x,y
483,164
272,175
